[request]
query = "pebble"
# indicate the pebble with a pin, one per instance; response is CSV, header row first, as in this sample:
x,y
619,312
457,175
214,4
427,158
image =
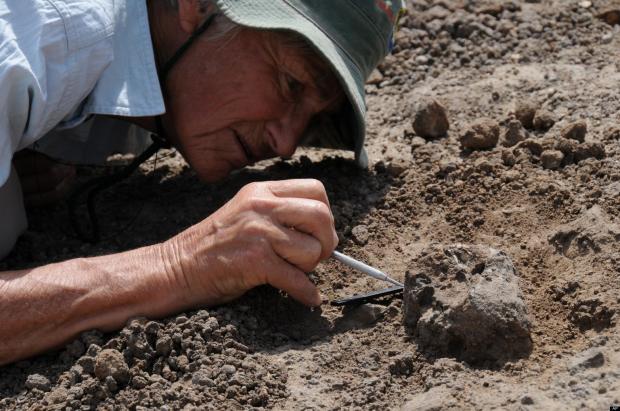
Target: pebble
x,y
39,382
163,346
551,159
514,133
360,234
543,120
525,112
229,369
402,364
111,363
431,119
480,135
575,131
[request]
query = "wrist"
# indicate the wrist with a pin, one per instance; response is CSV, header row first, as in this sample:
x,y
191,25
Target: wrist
x,y
173,277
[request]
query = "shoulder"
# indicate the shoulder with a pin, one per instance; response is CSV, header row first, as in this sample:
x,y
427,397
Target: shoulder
x,y
85,22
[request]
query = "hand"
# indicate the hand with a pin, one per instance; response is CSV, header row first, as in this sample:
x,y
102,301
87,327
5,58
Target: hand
x,y
269,233
43,180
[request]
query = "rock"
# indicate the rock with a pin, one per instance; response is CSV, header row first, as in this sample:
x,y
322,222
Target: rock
x,y
92,337
508,158
575,131
417,142
397,166
482,134
139,382
527,400
514,133
590,358
543,120
76,348
229,369
87,363
436,399
402,364
111,383
592,232
589,150
360,234
431,119
163,346
202,378
375,77
531,145
610,15
39,382
111,363
525,112
567,147
464,302
152,327
551,159
138,346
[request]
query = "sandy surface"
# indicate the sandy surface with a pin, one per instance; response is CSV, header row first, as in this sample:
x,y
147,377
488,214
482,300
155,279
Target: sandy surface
x,y
560,226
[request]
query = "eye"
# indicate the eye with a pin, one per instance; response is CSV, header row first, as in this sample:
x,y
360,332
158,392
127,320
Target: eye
x,y
293,87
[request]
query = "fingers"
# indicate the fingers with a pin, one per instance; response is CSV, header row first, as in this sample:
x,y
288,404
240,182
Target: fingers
x,y
310,217
297,248
296,283
300,188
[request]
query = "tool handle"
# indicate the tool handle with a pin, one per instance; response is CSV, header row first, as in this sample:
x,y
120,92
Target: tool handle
x,y
358,265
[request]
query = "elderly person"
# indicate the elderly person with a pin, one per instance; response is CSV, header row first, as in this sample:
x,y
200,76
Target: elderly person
x,y
226,82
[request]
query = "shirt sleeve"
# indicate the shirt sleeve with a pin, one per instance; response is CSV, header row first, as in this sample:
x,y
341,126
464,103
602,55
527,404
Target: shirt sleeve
x,y
52,54
27,105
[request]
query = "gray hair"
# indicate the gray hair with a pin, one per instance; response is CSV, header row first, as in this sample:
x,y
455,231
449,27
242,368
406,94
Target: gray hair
x,y
225,29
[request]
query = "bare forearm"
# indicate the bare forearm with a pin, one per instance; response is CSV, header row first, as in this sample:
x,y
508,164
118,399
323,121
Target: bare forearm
x,y
43,307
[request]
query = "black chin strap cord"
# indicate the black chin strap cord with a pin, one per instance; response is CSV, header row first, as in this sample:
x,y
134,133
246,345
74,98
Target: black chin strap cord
x,y
160,140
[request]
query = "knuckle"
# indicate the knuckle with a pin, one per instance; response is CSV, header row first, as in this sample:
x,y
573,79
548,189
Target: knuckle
x,y
255,228
249,188
322,213
316,185
260,204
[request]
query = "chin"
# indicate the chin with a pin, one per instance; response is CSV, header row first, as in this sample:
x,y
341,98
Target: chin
x,y
211,174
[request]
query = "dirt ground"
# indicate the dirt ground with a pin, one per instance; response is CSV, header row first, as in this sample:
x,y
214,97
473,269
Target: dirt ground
x,y
551,203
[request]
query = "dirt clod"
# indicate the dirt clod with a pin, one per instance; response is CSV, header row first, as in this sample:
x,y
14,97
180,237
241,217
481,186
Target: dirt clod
x,y
524,112
543,120
551,159
360,234
39,382
482,134
110,363
431,119
575,131
514,133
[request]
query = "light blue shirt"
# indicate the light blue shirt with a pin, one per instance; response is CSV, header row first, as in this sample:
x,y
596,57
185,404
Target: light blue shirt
x,y
62,61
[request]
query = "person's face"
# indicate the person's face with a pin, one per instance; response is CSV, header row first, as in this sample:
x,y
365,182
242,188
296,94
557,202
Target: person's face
x,y
232,103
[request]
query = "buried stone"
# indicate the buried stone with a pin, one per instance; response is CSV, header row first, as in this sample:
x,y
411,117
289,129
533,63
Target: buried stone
x,y
464,301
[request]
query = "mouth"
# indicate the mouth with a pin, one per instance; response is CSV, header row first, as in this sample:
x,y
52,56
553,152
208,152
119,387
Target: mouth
x,y
247,151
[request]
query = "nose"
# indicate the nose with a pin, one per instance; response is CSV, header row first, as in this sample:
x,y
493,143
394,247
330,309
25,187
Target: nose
x,y
284,133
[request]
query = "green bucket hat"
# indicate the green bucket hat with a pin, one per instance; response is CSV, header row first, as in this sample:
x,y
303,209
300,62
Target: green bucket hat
x,y
353,36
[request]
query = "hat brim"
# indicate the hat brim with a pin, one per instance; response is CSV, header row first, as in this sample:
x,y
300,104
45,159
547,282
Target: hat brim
x,y
280,15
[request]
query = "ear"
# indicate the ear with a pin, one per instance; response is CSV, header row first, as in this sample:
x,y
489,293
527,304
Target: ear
x,y
190,15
